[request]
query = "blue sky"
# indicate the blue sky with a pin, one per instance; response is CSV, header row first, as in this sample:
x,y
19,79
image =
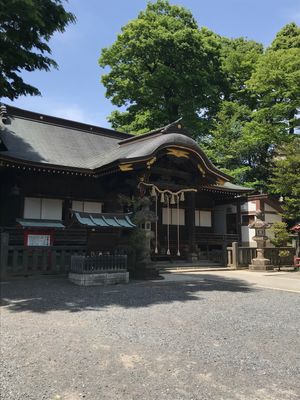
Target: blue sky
x,y
75,92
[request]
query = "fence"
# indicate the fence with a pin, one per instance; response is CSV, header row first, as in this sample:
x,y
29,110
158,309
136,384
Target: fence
x,y
23,260
98,264
242,256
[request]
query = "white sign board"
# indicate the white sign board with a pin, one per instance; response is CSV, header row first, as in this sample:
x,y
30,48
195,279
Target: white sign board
x,y
38,240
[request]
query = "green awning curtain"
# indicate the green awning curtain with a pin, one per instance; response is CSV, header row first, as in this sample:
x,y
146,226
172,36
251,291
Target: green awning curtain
x,y
104,220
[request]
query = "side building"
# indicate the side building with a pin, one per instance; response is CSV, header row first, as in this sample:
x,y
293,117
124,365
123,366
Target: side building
x,y
226,214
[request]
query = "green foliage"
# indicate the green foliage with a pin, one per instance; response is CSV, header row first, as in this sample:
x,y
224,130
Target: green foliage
x,y
239,57
137,244
285,180
284,253
262,111
288,37
276,83
281,235
240,102
25,29
163,67
137,241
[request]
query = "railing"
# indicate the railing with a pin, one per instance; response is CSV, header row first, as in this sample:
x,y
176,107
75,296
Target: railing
x,y
242,256
216,256
98,264
215,237
210,240
23,260
273,255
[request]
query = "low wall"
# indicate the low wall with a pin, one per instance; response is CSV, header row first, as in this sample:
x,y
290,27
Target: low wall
x,y
241,257
103,278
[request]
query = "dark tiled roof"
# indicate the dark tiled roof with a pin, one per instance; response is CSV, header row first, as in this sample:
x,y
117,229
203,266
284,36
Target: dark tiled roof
x,y
30,137
144,147
48,140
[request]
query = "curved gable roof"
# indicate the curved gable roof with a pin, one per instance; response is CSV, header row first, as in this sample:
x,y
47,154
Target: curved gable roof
x,y
146,147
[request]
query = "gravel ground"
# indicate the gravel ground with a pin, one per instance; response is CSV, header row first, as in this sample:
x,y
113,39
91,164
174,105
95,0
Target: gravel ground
x,y
151,340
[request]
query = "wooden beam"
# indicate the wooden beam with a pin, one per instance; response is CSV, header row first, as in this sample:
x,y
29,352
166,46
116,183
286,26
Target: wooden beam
x,y
176,173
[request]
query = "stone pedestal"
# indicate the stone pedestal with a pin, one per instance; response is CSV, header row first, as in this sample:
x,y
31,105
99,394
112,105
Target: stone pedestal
x,y
192,257
105,278
260,263
145,267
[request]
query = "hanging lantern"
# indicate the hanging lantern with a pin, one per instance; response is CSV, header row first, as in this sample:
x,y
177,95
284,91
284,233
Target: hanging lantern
x,y
162,198
153,191
182,196
178,253
172,199
168,252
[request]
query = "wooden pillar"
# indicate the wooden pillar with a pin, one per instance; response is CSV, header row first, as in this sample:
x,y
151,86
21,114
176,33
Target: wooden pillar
x,y
160,227
4,238
238,220
66,214
190,223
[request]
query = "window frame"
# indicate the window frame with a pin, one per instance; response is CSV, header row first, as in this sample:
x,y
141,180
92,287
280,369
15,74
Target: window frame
x,y
86,202
173,216
197,217
42,209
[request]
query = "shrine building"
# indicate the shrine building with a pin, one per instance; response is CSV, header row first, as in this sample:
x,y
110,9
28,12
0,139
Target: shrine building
x,y
61,183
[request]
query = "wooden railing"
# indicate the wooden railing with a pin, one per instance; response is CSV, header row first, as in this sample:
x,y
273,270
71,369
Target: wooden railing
x,y
210,240
23,260
98,264
242,256
215,238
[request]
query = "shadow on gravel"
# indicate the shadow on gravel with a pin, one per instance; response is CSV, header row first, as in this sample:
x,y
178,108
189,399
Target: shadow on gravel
x,y
58,294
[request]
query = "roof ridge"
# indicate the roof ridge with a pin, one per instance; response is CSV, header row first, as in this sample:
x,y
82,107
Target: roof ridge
x,y
150,133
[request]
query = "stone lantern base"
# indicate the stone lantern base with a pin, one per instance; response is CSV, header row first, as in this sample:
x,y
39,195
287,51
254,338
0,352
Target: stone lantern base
x,y
260,264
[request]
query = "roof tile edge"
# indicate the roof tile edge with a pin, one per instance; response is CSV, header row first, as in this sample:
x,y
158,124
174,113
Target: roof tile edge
x,y
67,123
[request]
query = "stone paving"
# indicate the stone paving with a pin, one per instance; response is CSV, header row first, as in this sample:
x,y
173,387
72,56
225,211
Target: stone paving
x,y
286,281
198,338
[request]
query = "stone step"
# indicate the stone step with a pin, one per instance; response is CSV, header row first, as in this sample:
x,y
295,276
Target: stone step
x,y
194,269
185,266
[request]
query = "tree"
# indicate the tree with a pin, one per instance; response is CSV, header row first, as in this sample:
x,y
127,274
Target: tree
x,y
280,233
262,111
25,29
163,67
230,145
288,37
285,180
276,83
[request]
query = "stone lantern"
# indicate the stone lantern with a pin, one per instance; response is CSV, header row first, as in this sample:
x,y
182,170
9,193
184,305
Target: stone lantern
x,y
260,263
144,217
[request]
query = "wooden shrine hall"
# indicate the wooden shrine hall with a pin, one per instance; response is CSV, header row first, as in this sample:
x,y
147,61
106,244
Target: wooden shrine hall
x,y
61,181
